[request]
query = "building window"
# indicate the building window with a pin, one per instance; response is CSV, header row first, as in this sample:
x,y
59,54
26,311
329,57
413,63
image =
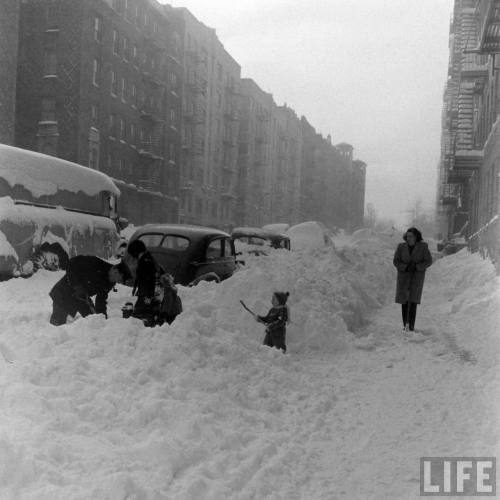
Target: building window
x,y
123,90
52,14
111,125
173,79
135,55
98,29
171,153
48,109
155,27
134,95
128,10
114,84
94,114
116,42
118,5
123,130
172,116
122,166
126,49
132,133
93,159
50,63
96,73
137,15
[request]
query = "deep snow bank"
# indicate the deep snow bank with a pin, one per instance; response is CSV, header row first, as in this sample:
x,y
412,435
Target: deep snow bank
x,y
112,410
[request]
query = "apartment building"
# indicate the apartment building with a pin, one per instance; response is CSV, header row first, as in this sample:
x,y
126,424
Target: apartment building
x,y
100,84
210,128
468,201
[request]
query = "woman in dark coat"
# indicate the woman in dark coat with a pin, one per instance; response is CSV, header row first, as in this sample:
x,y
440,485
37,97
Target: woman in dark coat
x,y
411,259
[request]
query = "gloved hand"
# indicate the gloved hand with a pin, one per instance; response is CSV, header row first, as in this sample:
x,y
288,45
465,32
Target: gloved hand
x,y
412,267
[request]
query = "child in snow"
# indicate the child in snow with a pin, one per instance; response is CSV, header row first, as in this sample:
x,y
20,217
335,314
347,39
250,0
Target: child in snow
x,y
171,304
276,320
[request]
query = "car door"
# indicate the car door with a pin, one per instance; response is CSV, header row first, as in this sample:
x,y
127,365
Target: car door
x,y
212,261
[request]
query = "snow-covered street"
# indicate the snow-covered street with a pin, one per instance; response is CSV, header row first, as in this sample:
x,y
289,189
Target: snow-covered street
x,y
108,409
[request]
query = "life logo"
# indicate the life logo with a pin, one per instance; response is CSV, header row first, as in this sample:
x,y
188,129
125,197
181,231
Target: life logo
x,y
458,476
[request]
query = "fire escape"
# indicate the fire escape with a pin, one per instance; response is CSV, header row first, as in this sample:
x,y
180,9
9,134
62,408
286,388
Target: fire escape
x,y
462,155
152,144
194,124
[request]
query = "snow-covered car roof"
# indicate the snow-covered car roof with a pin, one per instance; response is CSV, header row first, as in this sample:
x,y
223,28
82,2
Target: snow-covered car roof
x,y
257,232
44,175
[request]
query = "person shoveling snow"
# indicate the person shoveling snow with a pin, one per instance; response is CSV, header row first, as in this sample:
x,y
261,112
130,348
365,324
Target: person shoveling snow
x,y
276,320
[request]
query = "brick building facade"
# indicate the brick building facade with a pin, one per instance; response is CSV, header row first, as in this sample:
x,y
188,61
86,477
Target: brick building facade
x,y
9,37
100,84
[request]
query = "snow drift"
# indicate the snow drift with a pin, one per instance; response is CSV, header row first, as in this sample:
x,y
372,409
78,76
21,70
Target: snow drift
x,y
108,409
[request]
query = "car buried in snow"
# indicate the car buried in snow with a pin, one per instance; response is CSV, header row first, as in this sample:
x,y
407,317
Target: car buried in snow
x,y
46,201
189,253
257,241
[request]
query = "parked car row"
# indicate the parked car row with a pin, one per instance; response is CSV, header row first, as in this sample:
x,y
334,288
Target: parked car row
x,y
196,253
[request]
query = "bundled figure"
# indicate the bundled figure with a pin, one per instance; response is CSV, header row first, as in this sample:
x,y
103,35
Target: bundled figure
x,y
170,305
157,299
411,259
146,274
85,277
275,321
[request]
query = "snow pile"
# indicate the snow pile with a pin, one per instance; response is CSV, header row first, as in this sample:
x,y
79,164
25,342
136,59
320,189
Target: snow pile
x,y
108,409
6,249
40,218
331,292
44,175
308,235
279,227
127,233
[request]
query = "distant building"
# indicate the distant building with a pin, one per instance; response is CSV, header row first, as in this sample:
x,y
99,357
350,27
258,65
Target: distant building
x,y
210,128
100,84
332,184
146,93
9,38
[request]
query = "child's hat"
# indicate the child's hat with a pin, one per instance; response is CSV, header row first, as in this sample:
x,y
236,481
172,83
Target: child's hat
x,y
282,297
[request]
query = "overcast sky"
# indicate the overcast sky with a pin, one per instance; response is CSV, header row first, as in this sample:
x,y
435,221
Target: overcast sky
x,y
369,72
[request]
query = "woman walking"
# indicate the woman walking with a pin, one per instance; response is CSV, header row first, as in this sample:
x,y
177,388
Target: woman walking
x,y
411,259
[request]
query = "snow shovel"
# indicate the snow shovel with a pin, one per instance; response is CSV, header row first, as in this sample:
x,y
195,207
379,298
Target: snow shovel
x,y
246,307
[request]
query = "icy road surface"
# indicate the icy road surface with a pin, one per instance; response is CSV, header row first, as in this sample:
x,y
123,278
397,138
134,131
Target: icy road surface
x,y
110,410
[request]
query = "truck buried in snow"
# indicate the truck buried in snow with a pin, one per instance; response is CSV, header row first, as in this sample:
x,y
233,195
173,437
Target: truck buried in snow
x,y
48,201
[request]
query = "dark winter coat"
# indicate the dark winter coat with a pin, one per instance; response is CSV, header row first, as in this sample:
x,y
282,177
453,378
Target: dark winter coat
x,y
85,277
411,271
171,305
146,275
275,320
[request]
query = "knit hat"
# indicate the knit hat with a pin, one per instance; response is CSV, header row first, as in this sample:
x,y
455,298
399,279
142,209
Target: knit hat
x,y
282,297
